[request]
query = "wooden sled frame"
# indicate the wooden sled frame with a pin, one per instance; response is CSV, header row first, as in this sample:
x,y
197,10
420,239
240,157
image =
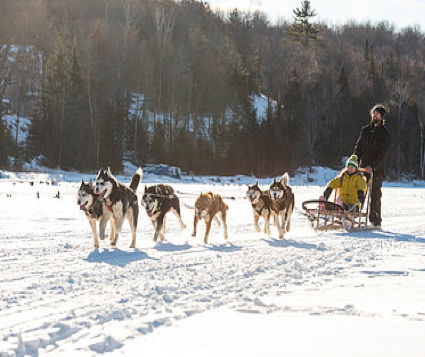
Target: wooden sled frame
x,y
325,215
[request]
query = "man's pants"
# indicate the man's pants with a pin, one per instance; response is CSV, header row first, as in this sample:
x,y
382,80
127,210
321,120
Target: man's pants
x,y
375,202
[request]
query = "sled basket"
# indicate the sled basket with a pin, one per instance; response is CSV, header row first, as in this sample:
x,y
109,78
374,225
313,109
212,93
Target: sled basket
x,y
324,215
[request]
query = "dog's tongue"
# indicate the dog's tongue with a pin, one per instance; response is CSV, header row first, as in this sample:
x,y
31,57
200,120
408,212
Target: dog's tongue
x,y
83,207
101,194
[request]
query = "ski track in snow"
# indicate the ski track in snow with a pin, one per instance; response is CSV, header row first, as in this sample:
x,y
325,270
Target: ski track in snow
x,y
59,293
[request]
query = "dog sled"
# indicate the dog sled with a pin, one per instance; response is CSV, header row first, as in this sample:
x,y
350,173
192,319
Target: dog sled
x,y
327,215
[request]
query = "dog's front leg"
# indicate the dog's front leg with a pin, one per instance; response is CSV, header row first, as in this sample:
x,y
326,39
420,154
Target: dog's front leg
x,y
158,227
223,218
112,231
94,230
256,226
118,222
195,223
162,234
282,229
279,228
288,220
266,217
133,226
102,227
207,229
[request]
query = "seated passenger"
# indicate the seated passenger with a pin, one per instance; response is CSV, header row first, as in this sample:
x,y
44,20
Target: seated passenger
x,y
351,185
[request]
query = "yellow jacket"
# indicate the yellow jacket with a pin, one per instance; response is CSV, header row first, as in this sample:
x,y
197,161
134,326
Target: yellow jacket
x,y
348,185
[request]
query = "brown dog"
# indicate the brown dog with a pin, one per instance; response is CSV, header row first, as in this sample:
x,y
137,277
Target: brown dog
x,y
207,205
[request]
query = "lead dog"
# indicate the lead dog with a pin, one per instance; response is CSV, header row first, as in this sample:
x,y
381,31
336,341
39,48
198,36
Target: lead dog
x,y
282,200
120,200
207,206
158,201
261,206
95,210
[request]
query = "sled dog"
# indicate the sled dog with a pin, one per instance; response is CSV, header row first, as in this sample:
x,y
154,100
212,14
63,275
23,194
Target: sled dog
x,y
120,200
282,203
94,209
158,200
207,206
261,206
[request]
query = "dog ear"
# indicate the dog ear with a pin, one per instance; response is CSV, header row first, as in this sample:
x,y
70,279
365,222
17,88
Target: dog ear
x,y
256,184
82,183
100,171
91,183
109,172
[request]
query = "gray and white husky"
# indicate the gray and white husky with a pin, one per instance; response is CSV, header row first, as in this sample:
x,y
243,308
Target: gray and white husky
x,y
158,200
282,200
120,200
261,206
95,210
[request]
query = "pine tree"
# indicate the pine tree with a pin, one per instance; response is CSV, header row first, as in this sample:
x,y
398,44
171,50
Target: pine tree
x,y
302,30
49,132
372,71
74,151
366,50
391,67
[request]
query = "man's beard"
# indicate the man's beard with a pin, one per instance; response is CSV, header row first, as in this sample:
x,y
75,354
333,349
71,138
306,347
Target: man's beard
x,y
376,121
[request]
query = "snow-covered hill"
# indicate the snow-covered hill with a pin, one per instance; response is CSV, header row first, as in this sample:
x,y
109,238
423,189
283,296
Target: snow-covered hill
x,y
311,294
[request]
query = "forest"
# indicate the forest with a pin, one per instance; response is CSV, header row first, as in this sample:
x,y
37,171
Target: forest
x,y
162,81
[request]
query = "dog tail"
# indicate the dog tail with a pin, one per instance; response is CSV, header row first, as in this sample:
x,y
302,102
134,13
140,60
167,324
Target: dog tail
x,y
285,179
137,177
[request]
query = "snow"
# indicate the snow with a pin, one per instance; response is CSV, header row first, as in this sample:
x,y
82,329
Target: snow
x,y
310,294
260,104
24,125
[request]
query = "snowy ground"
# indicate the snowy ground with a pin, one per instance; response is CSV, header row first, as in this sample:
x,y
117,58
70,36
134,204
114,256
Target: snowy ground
x,y
327,294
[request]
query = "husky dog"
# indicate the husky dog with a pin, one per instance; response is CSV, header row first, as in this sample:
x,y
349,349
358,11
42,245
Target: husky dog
x,y
282,200
261,206
120,200
207,205
158,201
94,209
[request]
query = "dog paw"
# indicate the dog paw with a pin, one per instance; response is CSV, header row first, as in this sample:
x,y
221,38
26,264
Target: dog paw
x,y
183,226
257,229
96,246
132,246
193,234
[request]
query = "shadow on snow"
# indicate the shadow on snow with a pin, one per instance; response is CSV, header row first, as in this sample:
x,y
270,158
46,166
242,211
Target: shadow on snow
x,y
116,256
381,234
285,243
170,247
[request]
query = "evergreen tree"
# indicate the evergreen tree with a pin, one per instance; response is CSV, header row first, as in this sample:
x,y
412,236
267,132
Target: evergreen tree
x,y
302,30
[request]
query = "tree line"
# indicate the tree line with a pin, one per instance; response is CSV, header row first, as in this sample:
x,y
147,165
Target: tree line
x,y
173,82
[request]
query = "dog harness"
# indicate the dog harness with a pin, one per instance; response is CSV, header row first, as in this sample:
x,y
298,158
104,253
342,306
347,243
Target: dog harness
x,y
259,210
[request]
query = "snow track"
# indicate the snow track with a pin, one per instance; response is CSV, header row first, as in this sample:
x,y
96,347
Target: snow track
x,y
62,297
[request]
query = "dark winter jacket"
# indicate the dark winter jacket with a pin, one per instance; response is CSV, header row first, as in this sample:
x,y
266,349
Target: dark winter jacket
x,y
372,147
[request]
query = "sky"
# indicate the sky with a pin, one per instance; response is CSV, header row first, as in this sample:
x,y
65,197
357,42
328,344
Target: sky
x,y
401,13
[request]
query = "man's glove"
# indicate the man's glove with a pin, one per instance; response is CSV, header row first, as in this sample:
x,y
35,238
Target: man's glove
x,y
327,193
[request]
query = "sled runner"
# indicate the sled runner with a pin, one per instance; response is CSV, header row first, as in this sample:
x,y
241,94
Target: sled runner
x,y
325,215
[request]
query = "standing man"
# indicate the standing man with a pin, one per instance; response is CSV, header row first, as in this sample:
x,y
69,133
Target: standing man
x,y
371,149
